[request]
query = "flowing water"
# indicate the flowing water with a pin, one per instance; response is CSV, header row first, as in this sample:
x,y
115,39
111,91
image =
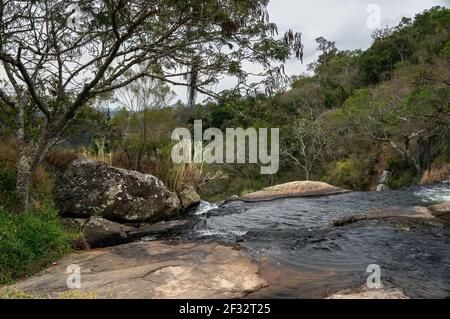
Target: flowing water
x,y
305,256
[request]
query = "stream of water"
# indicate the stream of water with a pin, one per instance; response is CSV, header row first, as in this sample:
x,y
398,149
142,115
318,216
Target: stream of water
x,y
308,257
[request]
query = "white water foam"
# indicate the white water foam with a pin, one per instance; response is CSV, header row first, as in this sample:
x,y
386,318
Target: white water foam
x,y
205,207
439,193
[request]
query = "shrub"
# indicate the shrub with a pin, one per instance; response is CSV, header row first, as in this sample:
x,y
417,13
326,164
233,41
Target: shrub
x,y
7,183
29,242
354,173
403,173
41,185
61,158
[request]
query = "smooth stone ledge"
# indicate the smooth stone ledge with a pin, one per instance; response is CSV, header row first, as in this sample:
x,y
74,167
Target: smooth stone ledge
x,y
416,212
293,189
153,270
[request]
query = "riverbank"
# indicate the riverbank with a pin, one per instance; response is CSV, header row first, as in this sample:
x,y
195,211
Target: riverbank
x,y
295,247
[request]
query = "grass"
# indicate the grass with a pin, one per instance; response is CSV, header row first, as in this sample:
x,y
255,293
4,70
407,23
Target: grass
x,y
30,242
98,152
70,294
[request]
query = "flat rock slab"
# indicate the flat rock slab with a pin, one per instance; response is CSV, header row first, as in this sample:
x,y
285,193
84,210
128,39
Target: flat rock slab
x,y
294,189
441,210
395,212
153,270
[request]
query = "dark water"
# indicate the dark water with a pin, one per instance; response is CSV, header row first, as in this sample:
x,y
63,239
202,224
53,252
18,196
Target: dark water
x,y
308,257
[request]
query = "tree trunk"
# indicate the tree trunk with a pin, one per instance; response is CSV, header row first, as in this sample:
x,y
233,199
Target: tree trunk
x,y
23,160
23,178
29,158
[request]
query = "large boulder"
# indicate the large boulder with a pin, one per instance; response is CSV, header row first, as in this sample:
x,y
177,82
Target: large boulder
x,y
90,188
294,189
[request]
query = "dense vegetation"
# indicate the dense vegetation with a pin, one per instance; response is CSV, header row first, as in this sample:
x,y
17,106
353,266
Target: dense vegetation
x,y
360,112
357,114
30,242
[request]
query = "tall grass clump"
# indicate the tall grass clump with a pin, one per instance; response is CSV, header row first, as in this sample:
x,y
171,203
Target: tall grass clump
x,y
98,152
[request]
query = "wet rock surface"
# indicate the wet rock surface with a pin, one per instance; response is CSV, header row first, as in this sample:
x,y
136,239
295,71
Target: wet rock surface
x,y
441,211
90,188
296,239
293,189
99,232
154,270
395,212
189,198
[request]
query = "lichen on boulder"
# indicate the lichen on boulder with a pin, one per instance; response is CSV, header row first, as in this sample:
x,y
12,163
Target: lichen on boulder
x,y
90,188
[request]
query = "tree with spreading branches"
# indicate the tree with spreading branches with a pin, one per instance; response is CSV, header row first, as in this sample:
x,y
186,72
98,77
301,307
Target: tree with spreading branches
x,y
58,55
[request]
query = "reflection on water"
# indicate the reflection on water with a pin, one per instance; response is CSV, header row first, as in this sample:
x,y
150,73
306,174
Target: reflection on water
x,y
315,259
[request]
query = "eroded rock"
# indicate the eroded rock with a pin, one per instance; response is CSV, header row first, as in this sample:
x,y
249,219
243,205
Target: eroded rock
x,y
395,212
161,229
189,198
154,270
99,232
90,188
441,210
294,189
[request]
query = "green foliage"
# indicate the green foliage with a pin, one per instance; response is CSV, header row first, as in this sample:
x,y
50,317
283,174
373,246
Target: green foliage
x,y
41,186
233,185
402,173
29,242
408,42
357,107
7,183
446,50
352,173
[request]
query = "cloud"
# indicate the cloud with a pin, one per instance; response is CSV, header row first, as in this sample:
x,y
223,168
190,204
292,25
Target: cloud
x,y
342,21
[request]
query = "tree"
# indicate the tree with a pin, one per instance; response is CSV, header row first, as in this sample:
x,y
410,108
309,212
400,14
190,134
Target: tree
x,y
307,147
58,61
141,98
406,117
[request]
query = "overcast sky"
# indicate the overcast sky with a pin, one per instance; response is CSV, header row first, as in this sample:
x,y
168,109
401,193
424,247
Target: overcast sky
x,y
342,21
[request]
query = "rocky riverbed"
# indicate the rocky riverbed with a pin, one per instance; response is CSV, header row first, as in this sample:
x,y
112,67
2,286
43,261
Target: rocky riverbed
x,y
296,240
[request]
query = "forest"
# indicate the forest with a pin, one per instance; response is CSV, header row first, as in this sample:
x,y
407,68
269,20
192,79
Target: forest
x,y
359,113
